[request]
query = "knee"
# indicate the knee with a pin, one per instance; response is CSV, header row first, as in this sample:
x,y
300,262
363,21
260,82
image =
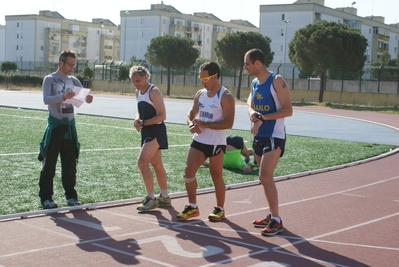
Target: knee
x,y
189,180
141,164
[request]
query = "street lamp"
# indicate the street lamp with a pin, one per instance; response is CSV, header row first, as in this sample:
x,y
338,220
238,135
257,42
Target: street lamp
x,y
285,44
101,41
124,35
353,3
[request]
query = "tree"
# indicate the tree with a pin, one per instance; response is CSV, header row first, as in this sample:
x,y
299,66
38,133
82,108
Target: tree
x,y
171,52
384,68
135,61
327,46
123,75
8,67
231,50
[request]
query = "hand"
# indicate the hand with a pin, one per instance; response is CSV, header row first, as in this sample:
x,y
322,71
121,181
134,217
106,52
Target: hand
x,y
89,99
255,127
137,125
195,126
69,95
256,116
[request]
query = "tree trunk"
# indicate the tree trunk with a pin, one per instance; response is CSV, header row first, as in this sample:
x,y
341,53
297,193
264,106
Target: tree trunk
x,y
168,82
322,83
239,84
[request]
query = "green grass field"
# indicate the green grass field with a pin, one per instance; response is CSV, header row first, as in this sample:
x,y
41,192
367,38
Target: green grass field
x,y
107,165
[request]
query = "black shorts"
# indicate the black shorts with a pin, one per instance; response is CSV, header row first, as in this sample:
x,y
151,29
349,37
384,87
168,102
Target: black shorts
x,y
158,131
235,141
208,150
262,145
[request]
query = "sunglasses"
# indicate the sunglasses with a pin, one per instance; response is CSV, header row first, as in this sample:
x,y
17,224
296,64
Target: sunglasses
x,y
70,64
205,79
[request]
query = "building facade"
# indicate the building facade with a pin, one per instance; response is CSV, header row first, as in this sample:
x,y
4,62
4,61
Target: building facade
x,y
41,38
280,22
138,27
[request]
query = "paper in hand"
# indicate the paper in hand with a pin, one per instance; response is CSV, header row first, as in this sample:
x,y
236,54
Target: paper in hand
x,y
80,96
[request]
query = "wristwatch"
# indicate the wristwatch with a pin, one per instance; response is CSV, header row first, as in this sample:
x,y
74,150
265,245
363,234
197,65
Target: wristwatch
x,y
259,117
141,123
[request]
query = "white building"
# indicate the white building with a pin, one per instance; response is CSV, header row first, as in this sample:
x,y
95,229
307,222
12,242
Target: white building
x,y
138,27
2,43
280,22
41,38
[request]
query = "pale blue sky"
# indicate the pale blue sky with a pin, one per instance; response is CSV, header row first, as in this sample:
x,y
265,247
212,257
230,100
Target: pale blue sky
x,y
223,9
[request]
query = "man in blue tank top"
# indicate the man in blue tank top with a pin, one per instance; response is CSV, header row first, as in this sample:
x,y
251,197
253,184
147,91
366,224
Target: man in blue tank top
x,y
269,103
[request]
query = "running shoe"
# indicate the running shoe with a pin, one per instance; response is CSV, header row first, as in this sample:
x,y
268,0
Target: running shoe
x,y
262,223
164,201
148,204
217,215
246,160
73,202
272,228
188,213
49,204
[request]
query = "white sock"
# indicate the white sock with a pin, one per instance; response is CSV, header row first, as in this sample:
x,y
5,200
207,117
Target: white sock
x,y
193,205
164,193
277,219
151,195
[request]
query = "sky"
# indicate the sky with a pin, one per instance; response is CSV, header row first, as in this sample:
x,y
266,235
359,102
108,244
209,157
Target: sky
x,y
225,10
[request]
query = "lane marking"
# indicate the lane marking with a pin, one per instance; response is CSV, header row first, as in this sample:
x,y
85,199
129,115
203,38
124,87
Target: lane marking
x,y
96,226
173,247
133,255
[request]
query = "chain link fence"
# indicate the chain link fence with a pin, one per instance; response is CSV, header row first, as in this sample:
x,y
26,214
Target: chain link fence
x,y
371,79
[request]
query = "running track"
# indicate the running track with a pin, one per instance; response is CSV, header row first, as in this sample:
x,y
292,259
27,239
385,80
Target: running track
x,y
344,216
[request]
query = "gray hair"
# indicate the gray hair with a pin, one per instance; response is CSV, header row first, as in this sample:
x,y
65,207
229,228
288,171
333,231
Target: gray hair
x,y
141,70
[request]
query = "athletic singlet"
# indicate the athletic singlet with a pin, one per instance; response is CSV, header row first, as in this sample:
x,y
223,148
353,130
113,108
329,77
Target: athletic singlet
x,y
145,105
210,110
266,101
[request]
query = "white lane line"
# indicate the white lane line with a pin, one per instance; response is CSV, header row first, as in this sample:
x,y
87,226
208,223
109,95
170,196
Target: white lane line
x,y
88,150
96,226
137,256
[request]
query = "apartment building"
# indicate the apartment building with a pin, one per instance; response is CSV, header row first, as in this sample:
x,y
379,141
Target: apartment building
x,y
138,27
280,22
2,42
41,38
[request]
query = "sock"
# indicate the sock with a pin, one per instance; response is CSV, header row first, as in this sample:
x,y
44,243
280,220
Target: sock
x,y
164,193
220,208
277,219
151,195
193,205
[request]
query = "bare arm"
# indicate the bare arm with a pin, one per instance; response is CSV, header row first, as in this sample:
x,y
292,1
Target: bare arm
x,y
193,112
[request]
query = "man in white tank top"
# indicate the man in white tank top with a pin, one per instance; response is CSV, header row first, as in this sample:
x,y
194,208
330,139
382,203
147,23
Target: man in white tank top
x,y
211,114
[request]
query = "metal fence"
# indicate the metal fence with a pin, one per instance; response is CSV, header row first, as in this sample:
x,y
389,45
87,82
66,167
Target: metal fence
x,y
374,79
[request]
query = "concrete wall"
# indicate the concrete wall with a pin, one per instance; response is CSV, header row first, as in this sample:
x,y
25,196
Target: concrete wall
x,y
297,95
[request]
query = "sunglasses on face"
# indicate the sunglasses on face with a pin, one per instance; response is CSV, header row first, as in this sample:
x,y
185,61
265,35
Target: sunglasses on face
x,y
205,79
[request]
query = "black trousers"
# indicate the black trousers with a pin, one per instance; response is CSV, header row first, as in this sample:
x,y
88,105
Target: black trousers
x,y
67,151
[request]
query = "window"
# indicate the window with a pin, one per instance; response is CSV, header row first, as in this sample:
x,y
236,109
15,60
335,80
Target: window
x,y
317,16
375,30
282,32
282,16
